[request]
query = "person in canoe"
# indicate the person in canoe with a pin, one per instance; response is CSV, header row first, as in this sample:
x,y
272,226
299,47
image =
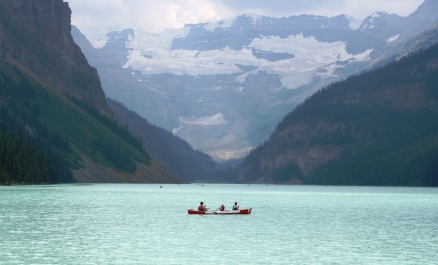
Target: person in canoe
x,y
222,208
235,207
202,207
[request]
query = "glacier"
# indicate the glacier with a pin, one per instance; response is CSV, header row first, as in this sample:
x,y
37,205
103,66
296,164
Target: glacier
x,y
152,54
224,85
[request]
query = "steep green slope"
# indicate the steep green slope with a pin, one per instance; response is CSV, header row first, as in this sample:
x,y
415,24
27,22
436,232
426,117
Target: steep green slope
x,y
377,128
56,125
69,131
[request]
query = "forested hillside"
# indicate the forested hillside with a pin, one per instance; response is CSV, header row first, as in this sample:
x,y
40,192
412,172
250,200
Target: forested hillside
x,y
44,136
170,151
55,123
377,128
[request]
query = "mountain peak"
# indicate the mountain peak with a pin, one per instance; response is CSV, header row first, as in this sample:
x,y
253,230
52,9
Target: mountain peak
x,y
354,22
381,20
245,67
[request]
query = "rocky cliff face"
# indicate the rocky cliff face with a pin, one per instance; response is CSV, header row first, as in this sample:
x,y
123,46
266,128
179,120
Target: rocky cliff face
x,y
42,45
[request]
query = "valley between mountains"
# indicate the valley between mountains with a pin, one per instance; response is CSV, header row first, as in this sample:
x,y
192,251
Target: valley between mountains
x,y
223,86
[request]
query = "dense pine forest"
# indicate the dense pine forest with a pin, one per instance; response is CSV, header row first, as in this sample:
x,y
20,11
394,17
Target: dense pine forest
x,y
400,132
22,161
28,156
36,127
377,128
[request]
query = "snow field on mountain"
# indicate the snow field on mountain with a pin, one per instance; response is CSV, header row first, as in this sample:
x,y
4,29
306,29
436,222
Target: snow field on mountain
x,y
152,54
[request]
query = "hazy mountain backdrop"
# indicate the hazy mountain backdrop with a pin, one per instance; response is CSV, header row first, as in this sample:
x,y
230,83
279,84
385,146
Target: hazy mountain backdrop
x,y
224,85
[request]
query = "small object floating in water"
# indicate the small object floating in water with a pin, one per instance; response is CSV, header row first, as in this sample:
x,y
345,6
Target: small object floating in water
x,y
161,186
228,212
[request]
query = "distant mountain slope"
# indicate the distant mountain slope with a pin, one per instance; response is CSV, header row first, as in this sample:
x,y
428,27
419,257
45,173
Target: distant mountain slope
x,y
419,41
169,150
55,123
250,70
377,128
426,14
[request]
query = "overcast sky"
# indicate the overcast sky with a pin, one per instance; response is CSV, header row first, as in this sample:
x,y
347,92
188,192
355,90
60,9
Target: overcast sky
x,y
95,18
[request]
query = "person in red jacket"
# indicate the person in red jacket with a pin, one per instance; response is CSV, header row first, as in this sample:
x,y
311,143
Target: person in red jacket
x,y
202,207
222,208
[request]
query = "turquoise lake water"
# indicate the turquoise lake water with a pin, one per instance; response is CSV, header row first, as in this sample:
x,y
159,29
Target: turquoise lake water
x,y
146,224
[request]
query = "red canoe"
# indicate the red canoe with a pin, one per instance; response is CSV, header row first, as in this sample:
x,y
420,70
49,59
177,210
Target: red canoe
x,y
242,211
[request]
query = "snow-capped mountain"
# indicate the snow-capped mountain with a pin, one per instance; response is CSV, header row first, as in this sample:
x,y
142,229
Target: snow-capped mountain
x,y
224,85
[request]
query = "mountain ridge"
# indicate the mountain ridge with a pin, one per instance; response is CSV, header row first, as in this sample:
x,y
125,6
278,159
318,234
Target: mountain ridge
x,y
243,68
